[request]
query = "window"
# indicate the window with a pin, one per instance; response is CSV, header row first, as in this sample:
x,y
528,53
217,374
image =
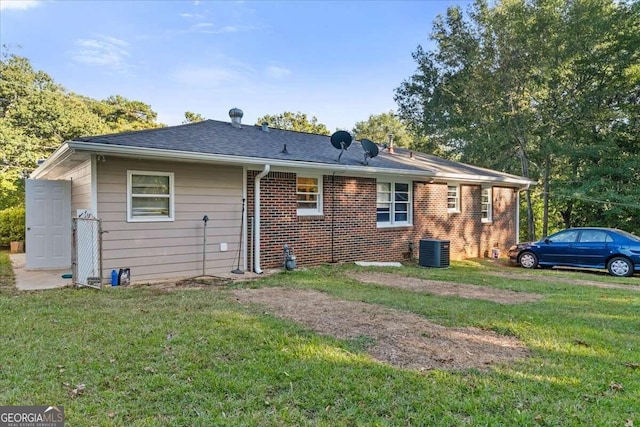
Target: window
x,y
565,236
150,196
309,195
486,204
453,198
595,236
393,204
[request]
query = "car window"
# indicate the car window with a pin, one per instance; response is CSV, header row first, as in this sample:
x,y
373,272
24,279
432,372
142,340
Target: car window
x,y
566,236
594,236
629,235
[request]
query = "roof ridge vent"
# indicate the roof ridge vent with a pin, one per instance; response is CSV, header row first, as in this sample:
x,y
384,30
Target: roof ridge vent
x,y
236,117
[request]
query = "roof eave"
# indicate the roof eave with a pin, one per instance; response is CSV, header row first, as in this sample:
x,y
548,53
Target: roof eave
x,y
522,183
158,154
60,155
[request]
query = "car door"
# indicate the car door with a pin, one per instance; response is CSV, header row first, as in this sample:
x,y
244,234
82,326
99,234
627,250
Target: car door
x,y
558,249
592,248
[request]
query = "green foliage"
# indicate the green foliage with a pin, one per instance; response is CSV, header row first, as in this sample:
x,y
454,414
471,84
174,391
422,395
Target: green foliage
x,y
122,114
18,155
294,121
546,89
190,117
379,126
37,116
12,225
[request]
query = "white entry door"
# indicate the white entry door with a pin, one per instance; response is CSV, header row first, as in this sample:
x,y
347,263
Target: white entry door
x,y
48,224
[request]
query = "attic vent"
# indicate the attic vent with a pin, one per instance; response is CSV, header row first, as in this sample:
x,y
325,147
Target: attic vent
x,y
236,117
265,127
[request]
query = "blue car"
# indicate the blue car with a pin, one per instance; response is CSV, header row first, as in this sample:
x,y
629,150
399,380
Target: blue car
x,y
584,247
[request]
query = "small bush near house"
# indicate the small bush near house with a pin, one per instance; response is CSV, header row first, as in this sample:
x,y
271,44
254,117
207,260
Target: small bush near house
x,y
12,225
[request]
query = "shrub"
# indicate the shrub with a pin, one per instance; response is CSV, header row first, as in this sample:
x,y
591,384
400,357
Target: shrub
x,y
12,225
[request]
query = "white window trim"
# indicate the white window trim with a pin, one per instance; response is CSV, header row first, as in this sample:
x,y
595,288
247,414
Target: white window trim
x,y
489,217
172,196
310,212
457,208
392,223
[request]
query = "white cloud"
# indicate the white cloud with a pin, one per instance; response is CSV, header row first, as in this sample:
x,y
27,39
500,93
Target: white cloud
x,y
102,51
276,72
19,4
203,25
191,15
233,29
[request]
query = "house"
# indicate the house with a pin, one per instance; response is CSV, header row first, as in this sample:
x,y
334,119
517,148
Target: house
x,y
259,189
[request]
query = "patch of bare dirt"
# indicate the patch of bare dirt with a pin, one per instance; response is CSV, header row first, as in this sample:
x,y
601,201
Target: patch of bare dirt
x,y
402,339
549,279
502,296
195,283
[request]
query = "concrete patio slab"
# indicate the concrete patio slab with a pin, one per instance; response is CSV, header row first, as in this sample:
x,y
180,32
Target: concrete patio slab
x,y
31,280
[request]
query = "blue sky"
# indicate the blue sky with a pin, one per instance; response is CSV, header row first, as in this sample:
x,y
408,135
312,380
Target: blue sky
x,y
337,60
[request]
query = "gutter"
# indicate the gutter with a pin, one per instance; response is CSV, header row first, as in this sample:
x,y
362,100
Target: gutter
x,y
173,155
256,208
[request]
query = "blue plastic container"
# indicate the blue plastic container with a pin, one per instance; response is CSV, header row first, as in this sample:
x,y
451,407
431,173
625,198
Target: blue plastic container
x,y
114,278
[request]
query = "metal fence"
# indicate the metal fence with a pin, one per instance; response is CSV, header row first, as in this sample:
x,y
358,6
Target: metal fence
x,y
87,252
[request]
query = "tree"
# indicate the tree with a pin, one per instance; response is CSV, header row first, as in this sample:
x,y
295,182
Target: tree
x,y
37,115
379,127
18,156
123,114
541,88
190,117
294,121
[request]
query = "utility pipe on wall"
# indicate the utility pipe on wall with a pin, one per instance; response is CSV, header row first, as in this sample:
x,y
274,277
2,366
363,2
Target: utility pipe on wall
x,y
256,208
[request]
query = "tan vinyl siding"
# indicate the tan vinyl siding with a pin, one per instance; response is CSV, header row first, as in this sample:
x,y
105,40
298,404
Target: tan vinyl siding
x,y
80,177
171,249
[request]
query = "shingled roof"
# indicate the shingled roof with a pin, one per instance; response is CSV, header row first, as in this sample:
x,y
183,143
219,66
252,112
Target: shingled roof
x,y
253,145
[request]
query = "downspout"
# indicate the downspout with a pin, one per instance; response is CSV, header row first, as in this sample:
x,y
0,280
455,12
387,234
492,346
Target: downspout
x,y
517,227
333,212
256,210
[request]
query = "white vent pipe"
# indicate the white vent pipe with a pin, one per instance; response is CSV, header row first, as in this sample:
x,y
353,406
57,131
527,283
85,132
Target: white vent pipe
x,y
256,208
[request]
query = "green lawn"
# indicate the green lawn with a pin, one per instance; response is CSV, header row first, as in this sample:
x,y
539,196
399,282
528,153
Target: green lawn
x,y
198,358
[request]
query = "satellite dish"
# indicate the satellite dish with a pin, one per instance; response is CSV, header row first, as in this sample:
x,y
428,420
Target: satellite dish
x,y
341,140
370,150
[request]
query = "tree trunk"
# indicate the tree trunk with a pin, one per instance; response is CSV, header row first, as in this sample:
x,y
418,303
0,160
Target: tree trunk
x,y
566,214
545,197
531,227
531,230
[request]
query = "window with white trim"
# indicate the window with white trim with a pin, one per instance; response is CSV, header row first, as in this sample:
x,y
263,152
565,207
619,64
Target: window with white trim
x,y
453,198
486,204
393,203
309,195
150,196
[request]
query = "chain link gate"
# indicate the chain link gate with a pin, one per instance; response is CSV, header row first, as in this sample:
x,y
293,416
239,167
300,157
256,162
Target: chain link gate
x,y
87,251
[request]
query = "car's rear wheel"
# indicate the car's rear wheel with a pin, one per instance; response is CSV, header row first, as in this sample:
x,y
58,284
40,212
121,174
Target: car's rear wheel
x,y
620,266
528,260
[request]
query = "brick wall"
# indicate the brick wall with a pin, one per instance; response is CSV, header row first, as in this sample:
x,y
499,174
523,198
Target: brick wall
x,y
469,236
347,231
